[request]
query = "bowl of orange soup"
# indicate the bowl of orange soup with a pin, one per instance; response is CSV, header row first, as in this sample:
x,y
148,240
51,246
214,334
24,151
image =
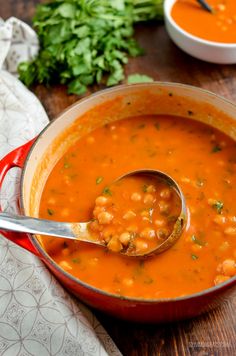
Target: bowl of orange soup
x,y
184,131
207,36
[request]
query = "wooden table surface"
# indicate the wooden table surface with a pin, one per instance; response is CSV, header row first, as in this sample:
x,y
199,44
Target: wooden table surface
x,y
210,334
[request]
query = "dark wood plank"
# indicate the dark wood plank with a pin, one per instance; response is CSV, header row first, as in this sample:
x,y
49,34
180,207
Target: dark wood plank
x,y
212,333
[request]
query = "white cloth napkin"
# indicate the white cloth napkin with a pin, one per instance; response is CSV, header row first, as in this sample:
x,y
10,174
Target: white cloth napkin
x,y
37,316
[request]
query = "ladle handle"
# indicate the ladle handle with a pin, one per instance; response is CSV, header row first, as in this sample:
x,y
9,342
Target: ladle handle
x,y
35,226
16,158
205,5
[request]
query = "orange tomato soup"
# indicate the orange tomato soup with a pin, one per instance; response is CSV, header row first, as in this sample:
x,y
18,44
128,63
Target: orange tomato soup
x,y
203,162
219,26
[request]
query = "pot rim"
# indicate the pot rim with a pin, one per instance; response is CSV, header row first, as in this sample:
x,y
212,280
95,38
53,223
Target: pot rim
x,y
43,253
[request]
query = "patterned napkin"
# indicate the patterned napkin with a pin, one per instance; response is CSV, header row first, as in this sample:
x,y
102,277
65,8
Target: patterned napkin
x,y
37,316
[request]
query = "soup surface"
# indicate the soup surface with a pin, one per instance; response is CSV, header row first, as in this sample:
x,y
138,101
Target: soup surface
x,y
203,162
219,26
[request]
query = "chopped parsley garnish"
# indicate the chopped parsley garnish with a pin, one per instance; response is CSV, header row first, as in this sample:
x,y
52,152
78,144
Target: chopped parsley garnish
x,y
218,205
66,165
76,260
200,182
99,180
107,191
194,257
50,211
144,188
197,241
216,148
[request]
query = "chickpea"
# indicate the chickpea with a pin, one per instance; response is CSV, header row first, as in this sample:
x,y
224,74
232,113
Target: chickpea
x,y
224,246
148,233
125,238
97,210
136,196
164,207
211,201
150,189
140,245
108,232
229,267
128,282
52,201
165,194
132,228
145,213
230,231
162,233
160,222
101,200
114,244
104,217
220,279
66,251
220,219
148,198
67,180
185,180
65,265
94,226
129,215
220,7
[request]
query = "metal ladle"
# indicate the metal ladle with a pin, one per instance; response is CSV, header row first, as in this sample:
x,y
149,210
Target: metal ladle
x,y
79,231
205,5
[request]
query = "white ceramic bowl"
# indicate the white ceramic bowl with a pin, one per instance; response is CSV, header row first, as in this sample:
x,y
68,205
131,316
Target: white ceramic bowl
x,y
215,52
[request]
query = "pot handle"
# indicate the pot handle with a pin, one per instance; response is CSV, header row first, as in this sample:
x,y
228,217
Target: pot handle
x,y
16,158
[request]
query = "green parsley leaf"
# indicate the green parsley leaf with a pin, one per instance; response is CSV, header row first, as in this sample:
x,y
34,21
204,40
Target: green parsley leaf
x,y
194,257
87,42
216,148
99,180
144,188
197,241
218,205
107,191
139,78
50,212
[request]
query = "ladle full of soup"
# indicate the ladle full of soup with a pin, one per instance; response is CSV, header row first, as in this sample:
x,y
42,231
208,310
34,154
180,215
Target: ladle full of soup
x,y
149,200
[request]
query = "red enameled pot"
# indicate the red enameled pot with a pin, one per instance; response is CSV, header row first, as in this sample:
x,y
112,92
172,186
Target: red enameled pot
x,y
38,156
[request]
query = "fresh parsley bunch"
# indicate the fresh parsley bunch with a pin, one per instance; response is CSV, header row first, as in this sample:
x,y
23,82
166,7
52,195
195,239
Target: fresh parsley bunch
x,y
83,42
